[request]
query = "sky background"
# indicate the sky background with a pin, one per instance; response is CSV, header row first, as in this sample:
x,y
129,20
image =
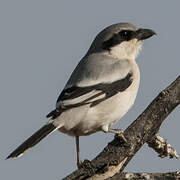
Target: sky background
x,y
41,42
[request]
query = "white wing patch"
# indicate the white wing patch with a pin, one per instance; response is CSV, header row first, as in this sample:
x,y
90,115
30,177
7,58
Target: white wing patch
x,y
87,98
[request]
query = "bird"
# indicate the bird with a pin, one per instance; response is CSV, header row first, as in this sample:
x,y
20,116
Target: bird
x,y
101,89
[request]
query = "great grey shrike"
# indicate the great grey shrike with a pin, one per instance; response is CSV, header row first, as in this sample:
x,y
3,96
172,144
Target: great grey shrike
x,y
101,89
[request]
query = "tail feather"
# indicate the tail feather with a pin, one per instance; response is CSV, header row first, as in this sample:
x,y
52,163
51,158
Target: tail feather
x,y
33,140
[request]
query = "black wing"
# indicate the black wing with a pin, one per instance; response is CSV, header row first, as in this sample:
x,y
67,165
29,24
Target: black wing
x,y
79,96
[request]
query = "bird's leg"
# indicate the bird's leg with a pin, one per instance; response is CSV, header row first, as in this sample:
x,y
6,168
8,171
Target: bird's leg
x,y
79,162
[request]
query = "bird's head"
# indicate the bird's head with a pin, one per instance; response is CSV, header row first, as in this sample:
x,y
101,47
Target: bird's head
x,y
121,40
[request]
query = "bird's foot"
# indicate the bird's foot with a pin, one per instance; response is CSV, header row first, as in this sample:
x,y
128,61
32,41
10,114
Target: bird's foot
x,y
86,163
79,164
119,133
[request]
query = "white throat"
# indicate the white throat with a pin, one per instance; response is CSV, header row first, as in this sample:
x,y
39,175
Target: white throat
x,y
127,50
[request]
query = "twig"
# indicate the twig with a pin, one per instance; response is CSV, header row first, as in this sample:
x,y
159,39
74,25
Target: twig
x,y
161,146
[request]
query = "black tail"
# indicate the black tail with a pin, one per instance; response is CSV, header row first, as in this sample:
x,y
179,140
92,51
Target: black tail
x,y
33,140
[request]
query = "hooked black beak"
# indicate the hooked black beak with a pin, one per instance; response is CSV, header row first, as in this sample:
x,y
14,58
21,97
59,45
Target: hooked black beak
x,y
142,34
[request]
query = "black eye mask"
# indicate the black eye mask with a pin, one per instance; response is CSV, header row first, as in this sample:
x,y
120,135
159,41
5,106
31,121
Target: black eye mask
x,y
124,35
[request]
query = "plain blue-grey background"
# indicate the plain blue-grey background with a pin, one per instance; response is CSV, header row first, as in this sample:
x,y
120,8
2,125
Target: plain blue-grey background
x,y
41,42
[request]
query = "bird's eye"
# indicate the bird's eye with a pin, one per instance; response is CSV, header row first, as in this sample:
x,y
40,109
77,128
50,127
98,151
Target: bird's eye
x,y
126,34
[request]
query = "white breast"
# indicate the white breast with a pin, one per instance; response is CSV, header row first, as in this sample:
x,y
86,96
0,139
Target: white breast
x,y
86,120
113,109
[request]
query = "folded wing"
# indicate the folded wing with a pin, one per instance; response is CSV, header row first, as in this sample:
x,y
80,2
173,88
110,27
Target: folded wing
x,y
93,95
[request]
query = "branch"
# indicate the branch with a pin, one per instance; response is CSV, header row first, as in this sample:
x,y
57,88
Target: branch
x,y
116,155
161,146
147,176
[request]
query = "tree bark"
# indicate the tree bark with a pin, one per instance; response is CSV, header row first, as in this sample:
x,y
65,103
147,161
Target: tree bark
x,y
117,154
163,148
146,176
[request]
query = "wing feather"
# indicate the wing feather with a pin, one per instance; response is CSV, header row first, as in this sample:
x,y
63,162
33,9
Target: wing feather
x,y
93,95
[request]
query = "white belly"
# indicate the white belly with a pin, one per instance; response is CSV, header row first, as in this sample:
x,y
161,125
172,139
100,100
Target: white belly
x,y
87,120
109,112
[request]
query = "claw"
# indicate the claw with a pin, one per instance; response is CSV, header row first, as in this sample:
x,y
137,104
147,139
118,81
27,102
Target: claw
x,y
79,164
